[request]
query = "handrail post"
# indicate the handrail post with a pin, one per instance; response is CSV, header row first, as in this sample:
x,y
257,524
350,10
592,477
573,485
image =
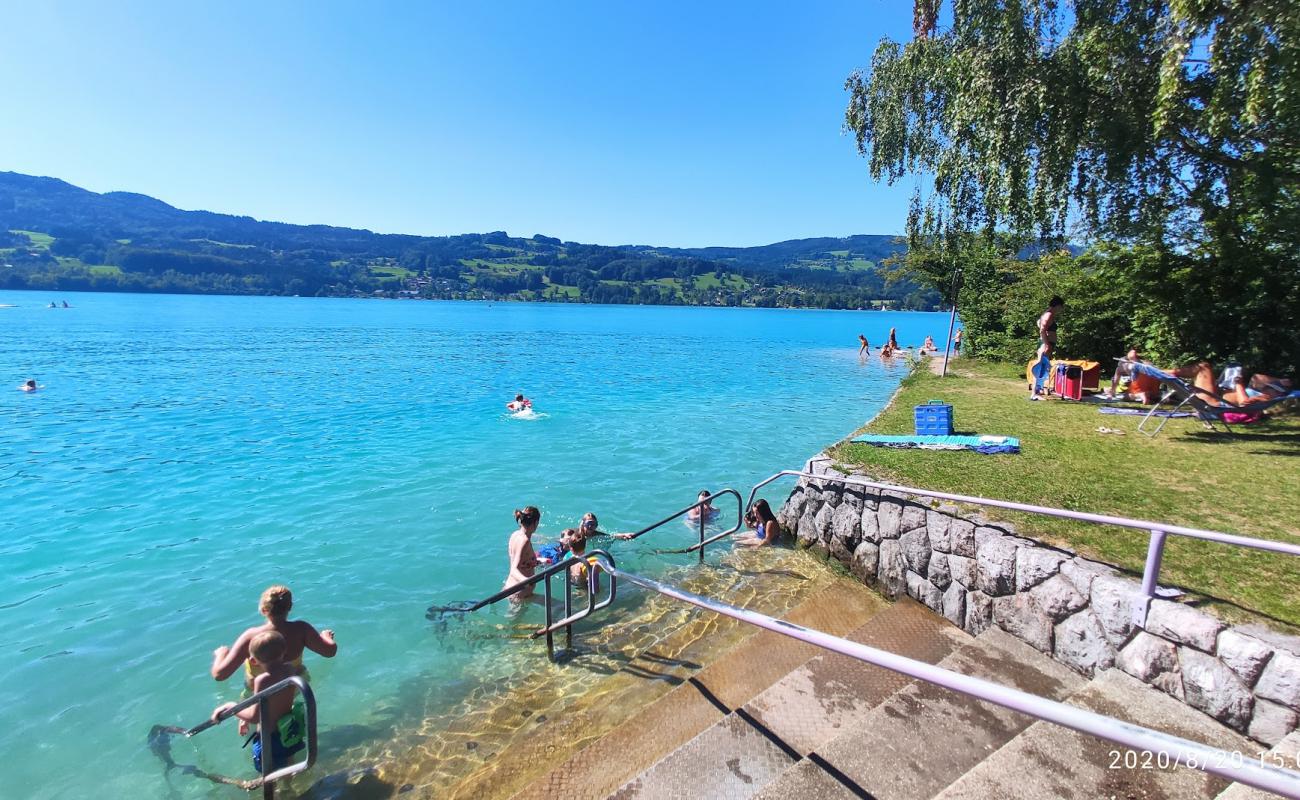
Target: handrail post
x,y
702,516
1150,576
550,640
568,609
268,787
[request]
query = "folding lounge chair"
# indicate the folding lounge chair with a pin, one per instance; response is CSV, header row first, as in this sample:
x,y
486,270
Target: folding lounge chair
x,y
1187,395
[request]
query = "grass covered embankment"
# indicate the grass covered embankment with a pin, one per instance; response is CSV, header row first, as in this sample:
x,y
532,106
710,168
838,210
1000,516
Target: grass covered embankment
x,y
1248,483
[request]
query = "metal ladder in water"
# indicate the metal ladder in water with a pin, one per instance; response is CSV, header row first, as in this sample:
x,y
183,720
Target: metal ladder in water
x,y
269,776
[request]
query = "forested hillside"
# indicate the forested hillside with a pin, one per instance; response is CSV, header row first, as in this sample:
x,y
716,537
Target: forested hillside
x,y
57,236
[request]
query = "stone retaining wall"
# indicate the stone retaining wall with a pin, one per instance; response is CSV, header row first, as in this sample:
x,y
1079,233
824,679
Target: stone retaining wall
x,y
1085,614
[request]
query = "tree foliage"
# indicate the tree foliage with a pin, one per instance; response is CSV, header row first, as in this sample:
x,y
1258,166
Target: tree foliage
x,y
1168,129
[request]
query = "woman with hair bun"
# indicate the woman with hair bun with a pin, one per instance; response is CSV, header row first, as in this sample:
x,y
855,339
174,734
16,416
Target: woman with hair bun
x,y
523,561
299,635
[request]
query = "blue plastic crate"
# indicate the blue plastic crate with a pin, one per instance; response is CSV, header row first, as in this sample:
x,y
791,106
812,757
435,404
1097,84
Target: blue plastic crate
x,y
934,419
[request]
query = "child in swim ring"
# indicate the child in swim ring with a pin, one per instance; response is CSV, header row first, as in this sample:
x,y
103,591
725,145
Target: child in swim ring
x,y
557,550
520,403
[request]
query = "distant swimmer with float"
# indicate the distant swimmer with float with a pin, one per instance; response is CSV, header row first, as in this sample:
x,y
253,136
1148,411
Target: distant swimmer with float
x,y
29,386
519,404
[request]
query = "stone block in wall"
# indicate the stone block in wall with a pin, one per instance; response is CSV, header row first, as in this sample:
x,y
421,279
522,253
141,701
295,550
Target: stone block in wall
x,y
853,498
846,531
791,511
869,525
1243,654
964,570
1270,723
1056,597
916,549
1080,643
996,558
1112,602
830,494
822,524
888,515
979,613
806,531
938,571
1020,616
892,572
1035,565
866,558
937,527
954,605
1208,685
1183,624
1280,681
1080,572
924,592
913,517
1152,660
961,538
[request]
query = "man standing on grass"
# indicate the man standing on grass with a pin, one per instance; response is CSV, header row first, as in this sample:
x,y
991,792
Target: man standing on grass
x,y
1046,344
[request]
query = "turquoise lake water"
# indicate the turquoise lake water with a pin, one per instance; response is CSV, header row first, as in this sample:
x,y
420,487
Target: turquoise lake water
x,y
188,451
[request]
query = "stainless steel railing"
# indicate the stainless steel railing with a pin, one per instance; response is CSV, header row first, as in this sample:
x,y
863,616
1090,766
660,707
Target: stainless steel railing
x,y
1157,531
544,577
703,520
269,777
1182,751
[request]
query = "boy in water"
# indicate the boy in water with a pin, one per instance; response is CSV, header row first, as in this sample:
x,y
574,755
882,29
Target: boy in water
x,y
287,729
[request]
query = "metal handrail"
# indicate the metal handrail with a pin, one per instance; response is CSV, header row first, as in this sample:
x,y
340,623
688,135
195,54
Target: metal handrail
x,y
544,577
1182,751
268,779
740,521
1157,531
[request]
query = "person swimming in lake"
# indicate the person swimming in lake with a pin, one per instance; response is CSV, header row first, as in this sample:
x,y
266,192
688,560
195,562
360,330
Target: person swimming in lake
x,y
887,351
29,386
929,344
299,635
520,403
764,529
893,339
865,348
523,561
704,508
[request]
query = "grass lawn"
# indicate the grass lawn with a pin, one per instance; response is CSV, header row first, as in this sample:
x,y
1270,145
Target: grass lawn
x,y
1248,483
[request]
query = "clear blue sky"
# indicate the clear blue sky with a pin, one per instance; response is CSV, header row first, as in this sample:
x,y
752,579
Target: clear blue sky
x,y
682,124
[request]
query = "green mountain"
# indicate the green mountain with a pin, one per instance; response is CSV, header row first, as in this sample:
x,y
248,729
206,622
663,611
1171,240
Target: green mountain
x,y
56,236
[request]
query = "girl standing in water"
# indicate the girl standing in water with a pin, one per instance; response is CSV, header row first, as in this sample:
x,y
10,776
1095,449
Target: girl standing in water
x,y
523,561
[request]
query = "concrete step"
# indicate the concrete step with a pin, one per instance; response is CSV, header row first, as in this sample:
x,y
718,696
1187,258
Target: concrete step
x,y
924,737
1048,761
598,768
1284,755
815,702
731,759
752,746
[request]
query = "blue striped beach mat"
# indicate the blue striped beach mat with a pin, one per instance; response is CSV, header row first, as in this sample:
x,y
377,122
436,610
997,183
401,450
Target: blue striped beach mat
x,y
987,445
